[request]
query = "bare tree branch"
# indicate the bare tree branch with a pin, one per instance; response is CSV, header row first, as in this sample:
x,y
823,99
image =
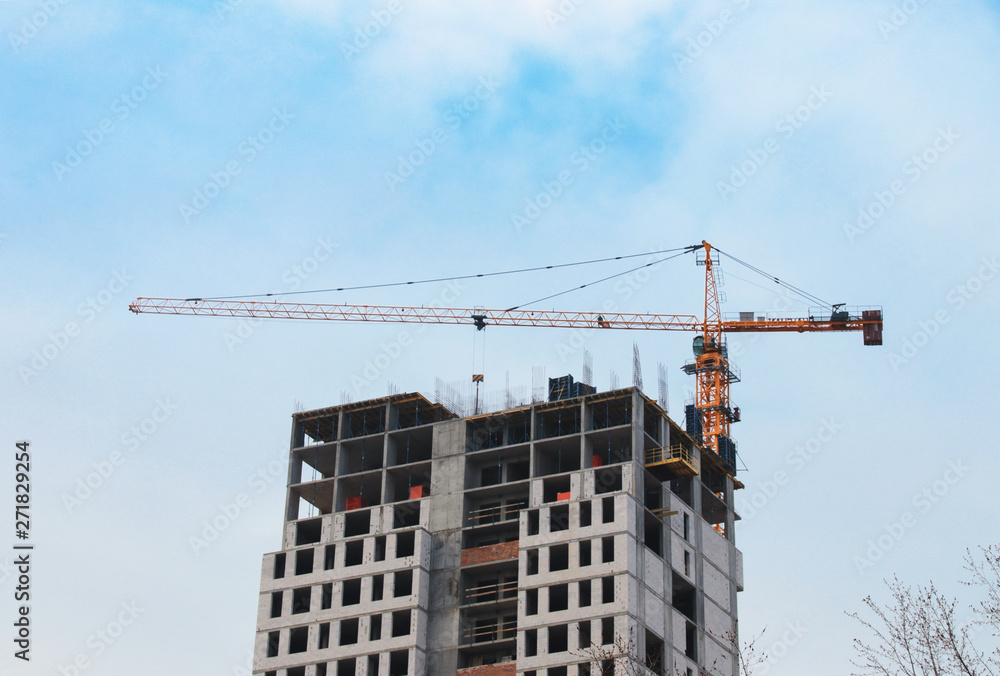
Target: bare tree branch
x,y
918,633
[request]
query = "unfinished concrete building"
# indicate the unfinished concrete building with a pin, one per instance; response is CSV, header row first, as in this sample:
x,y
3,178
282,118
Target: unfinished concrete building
x,y
588,534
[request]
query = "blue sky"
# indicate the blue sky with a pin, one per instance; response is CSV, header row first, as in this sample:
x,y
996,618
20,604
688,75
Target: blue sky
x,y
198,149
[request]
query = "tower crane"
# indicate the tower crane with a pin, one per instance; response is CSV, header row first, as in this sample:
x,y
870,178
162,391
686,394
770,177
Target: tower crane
x,y
710,366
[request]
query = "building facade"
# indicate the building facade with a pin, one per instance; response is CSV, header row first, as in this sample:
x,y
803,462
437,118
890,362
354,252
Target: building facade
x,y
583,535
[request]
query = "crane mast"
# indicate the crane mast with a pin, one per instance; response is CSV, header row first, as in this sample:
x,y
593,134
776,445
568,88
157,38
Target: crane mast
x,y
711,370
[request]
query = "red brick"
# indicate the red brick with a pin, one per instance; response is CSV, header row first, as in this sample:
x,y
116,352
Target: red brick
x,y
502,669
498,552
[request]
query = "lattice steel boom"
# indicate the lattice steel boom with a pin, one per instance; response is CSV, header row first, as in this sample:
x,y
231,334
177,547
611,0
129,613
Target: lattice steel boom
x,y
711,366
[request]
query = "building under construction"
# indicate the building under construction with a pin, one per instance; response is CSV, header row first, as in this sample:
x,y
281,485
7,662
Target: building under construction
x,y
587,534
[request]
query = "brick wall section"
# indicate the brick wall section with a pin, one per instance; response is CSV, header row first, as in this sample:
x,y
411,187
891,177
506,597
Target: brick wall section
x,y
503,669
499,552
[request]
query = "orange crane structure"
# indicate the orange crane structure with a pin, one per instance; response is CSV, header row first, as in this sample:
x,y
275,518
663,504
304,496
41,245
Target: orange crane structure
x,y
710,366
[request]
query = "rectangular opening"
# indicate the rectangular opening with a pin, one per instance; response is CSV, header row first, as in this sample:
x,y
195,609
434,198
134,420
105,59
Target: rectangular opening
x,y
583,669
352,592
276,598
378,587
556,671
347,667
533,522
654,652
272,643
403,583
607,631
608,589
558,597
279,566
682,488
298,639
556,489
558,557
608,510
583,636
611,413
584,593
687,527
296,671
327,599
584,514
354,553
682,598
531,557
329,557
531,642
608,479
324,636
401,623
406,515
308,532
687,563
375,629
607,667
372,665
399,663
405,544
651,422
691,640
653,497
304,561
585,547
357,523
380,548
489,475
607,549
559,638
349,631
558,518
300,600
321,669
531,602
653,534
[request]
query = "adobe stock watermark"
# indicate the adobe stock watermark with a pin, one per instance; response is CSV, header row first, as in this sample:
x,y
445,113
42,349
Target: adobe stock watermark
x,y
914,168
130,441
121,109
388,353
427,146
380,20
245,669
292,280
795,460
899,17
247,151
225,8
230,511
711,31
580,161
958,296
59,341
786,127
794,631
98,643
922,502
32,25
624,289
562,12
